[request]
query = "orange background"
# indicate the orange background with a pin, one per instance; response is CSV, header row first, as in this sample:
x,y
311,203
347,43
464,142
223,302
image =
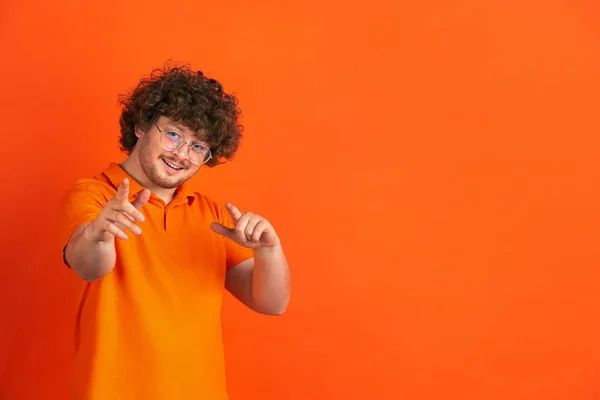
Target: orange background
x,y
432,168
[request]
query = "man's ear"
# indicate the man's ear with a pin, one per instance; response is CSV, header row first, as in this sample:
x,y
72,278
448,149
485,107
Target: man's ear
x,y
138,132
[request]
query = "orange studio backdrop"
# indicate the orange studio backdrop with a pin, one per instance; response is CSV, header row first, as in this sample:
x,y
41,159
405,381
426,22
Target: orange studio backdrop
x,y
432,169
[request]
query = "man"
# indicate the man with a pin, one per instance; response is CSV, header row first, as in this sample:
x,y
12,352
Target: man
x,y
154,256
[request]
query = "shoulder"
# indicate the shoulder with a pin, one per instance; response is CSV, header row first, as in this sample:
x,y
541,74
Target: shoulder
x,y
89,190
81,203
208,206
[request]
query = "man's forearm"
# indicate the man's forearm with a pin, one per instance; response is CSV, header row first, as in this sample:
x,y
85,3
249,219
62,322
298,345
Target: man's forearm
x,y
271,280
90,260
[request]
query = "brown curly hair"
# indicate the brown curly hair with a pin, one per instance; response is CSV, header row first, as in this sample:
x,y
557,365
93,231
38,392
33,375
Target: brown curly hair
x,y
189,98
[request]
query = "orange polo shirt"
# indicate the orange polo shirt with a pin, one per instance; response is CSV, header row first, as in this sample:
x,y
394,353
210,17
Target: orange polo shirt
x,y
151,329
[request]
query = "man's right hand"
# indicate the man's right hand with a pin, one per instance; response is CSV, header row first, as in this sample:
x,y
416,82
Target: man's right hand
x,y
118,215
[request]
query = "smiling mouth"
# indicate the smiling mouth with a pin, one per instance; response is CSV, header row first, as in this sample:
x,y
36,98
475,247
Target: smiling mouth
x,y
171,165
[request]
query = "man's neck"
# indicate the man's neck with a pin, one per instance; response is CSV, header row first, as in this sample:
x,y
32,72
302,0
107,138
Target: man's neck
x,y
134,169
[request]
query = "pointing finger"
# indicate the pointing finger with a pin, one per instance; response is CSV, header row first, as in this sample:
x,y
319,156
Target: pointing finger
x,y
123,190
222,230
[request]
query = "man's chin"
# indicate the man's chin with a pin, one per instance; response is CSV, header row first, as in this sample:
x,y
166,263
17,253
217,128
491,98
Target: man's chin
x,y
169,183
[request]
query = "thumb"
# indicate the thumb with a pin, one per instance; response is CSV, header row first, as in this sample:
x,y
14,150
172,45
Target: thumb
x,y
141,199
222,230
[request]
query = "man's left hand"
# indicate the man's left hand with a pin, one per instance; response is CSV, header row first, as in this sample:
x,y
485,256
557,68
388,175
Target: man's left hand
x,y
250,230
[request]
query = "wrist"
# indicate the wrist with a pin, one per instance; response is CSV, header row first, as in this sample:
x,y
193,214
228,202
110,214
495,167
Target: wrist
x,y
268,250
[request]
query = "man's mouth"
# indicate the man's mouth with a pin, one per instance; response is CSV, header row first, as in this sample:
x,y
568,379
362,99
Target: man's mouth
x,y
172,165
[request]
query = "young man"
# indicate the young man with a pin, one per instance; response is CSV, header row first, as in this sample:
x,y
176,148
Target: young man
x,y
154,256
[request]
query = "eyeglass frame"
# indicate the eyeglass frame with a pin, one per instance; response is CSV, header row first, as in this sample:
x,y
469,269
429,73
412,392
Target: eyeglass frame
x,y
183,142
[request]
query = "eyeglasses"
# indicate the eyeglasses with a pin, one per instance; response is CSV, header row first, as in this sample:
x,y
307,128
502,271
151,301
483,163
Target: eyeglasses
x,y
171,141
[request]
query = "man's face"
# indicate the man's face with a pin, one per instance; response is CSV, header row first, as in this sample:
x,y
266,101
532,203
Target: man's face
x,y
165,169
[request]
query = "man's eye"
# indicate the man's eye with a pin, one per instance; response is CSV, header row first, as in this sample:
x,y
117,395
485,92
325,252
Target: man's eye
x,y
198,148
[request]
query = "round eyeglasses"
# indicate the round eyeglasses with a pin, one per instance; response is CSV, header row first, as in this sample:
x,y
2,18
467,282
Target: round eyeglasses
x,y
198,153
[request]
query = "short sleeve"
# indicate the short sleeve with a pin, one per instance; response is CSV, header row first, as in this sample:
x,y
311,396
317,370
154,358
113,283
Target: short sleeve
x,y
235,253
80,205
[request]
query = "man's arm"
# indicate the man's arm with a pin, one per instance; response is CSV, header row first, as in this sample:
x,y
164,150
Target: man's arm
x,y
90,251
262,282
90,259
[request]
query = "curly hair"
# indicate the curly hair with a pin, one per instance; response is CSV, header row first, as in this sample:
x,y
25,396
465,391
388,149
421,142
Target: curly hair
x,y
186,97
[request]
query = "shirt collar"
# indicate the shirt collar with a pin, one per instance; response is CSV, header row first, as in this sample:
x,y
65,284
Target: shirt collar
x,y
184,194
115,174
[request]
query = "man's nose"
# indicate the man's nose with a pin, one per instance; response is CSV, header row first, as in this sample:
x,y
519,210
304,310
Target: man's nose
x,y
183,152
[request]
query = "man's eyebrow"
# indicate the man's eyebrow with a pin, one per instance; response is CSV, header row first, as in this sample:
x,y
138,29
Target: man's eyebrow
x,y
175,126
200,136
